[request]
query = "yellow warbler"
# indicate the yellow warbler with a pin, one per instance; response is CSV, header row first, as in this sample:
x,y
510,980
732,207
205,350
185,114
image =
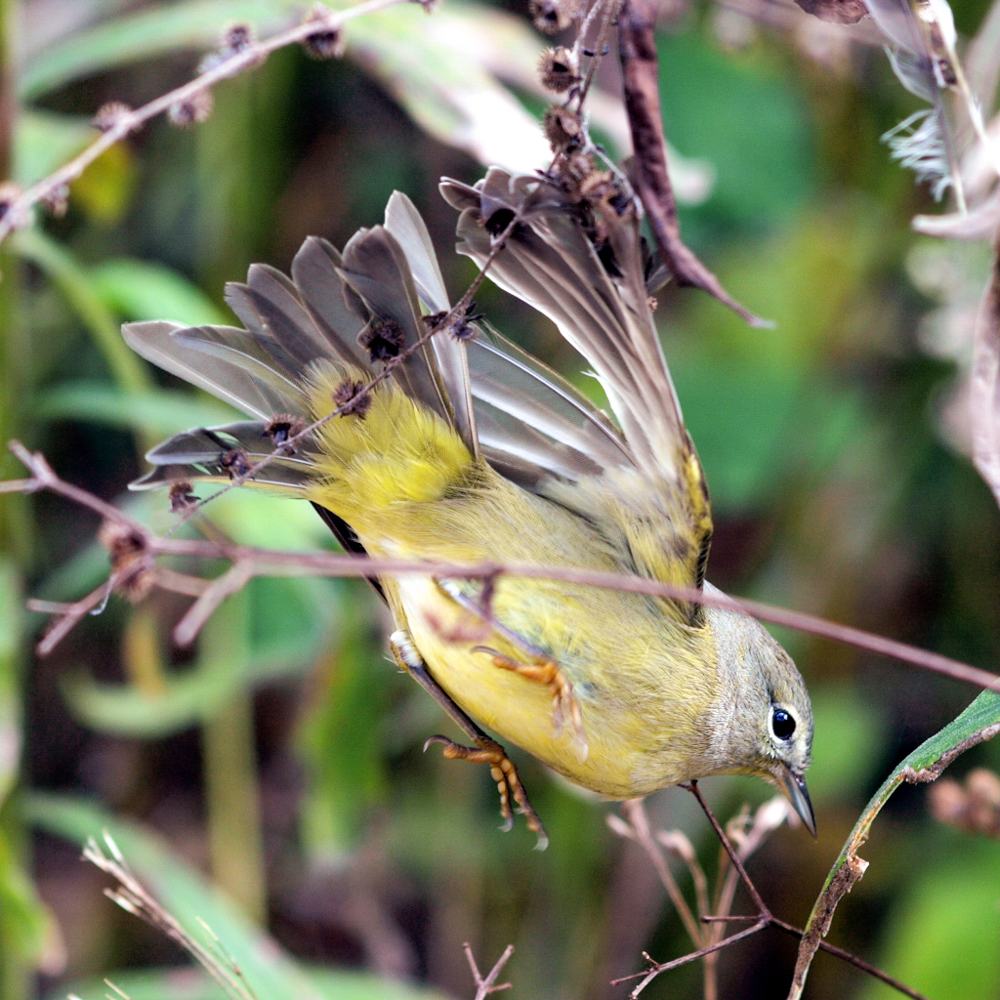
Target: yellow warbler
x,y
471,451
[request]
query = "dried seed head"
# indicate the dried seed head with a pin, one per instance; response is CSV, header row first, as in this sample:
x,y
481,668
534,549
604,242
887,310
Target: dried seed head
x,y
352,398
282,427
192,111
57,201
236,462
109,115
236,38
126,548
974,807
181,496
122,542
558,70
461,327
563,129
383,339
553,16
327,41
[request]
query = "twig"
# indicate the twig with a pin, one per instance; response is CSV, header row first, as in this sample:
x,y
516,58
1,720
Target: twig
x,y
321,21
484,987
637,829
640,79
762,919
650,974
276,562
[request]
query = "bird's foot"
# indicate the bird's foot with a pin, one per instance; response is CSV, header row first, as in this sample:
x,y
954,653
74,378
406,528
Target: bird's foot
x,y
487,751
564,702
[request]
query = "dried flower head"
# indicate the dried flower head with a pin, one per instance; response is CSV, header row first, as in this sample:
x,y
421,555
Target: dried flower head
x,y
181,496
352,398
558,70
974,808
192,111
237,37
126,549
56,201
553,16
564,129
383,339
109,115
283,427
461,326
236,462
327,41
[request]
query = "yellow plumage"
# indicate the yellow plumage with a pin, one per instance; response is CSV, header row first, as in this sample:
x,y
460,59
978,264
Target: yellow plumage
x,y
485,457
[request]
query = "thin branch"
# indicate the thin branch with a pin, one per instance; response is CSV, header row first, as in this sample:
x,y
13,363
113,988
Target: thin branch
x,y
640,79
763,918
661,967
276,562
484,987
322,21
637,829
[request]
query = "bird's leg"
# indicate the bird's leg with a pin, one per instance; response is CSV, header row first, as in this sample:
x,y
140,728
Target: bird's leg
x,y
546,671
486,749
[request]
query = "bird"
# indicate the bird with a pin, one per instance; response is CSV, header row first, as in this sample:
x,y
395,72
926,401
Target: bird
x,y
418,432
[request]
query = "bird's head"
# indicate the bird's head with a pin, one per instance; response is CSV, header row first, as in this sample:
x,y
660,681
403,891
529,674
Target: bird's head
x,y
762,721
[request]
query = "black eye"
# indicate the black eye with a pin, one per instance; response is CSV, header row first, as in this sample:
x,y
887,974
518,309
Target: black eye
x,y
782,724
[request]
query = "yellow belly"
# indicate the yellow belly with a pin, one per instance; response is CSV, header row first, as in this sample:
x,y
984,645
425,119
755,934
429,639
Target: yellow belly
x,y
642,712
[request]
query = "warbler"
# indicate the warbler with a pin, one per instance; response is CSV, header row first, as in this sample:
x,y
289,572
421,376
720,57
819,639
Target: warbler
x,y
466,450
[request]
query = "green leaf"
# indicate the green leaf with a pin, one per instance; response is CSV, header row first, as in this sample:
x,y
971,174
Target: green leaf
x,y
270,972
189,984
11,628
944,939
980,721
439,72
138,290
195,24
744,117
45,140
289,621
157,414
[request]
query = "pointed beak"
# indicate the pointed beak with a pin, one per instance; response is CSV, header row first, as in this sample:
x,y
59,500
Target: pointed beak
x,y
795,789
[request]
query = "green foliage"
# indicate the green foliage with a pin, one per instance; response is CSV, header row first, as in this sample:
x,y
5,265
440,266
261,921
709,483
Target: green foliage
x,y
268,970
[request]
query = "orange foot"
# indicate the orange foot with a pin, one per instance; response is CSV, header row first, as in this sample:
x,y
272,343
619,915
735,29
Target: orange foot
x,y
487,751
547,672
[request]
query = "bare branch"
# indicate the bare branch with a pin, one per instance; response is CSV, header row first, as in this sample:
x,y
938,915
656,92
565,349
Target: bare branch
x,y
322,21
276,562
484,987
657,968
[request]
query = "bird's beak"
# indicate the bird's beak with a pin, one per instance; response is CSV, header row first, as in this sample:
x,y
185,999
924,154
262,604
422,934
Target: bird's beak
x,y
794,787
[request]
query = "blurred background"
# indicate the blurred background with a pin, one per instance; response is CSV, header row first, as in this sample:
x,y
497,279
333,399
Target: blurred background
x,y
280,759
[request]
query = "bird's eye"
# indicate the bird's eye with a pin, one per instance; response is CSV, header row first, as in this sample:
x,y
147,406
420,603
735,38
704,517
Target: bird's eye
x,y
782,724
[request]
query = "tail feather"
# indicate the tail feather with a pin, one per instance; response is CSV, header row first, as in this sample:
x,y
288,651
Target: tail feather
x,y
334,308
242,383
220,453
403,221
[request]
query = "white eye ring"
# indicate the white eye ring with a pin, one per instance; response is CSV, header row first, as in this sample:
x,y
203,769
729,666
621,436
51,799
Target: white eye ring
x,y
782,724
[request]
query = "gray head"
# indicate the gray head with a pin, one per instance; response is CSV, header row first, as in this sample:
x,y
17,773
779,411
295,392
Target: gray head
x,y
762,722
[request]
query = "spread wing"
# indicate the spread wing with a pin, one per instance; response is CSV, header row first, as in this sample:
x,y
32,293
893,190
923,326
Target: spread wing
x,y
656,499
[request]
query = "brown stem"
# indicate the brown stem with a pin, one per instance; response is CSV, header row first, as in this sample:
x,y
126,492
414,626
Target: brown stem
x,y
762,907
640,79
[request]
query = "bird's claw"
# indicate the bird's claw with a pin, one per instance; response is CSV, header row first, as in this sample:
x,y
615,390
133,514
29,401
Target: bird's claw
x,y
505,775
